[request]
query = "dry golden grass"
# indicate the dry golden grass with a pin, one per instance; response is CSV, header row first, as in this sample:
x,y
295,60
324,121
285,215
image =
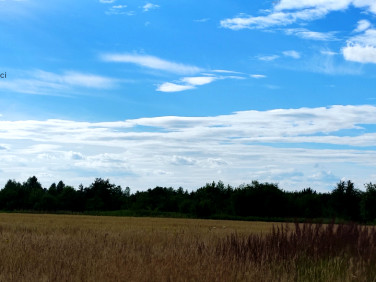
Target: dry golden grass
x,y
89,248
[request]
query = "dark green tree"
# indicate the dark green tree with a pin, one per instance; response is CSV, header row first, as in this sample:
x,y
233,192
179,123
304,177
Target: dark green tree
x,y
368,203
12,196
102,195
33,193
345,201
260,199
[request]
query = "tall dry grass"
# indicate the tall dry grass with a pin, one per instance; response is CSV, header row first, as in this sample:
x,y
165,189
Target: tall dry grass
x,y
83,248
308,252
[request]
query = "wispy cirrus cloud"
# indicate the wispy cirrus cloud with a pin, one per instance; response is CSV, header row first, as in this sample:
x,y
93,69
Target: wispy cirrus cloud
x,y
276,18
198,76
83,80
192,82
328,53
329,63
330,5
289,53
227,71
47,83
268,58
292,54
312,35
173,87
287,12
236,147
309,4
258,76
151,62
199,80
186,83
121,9
204,20
360,48
119,6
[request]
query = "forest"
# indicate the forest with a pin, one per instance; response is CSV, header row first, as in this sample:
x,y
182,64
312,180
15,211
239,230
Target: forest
x,y
214,200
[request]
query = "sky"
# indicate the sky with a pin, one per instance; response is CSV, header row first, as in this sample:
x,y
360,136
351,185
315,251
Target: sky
x,y
181,93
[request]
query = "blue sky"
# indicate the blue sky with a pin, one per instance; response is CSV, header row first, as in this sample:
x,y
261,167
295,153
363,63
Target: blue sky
x,y
180,93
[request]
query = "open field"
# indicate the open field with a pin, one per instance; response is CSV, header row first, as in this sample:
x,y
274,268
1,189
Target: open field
x,y
88,248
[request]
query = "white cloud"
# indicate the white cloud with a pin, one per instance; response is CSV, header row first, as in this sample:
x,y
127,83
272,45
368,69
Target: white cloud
x,y
361,48
4,147
227,71
86,80
330,5
291,53
48,83
328,63
359,53
149,6
186,83
181,160
74,155
312,35
119,10
107,1
368,38
244,146
151,62
362,25
287,12
173,87
257,76
324,176
199,80
304,4
119,6
328,53
273,19
202,20
268,58
370,5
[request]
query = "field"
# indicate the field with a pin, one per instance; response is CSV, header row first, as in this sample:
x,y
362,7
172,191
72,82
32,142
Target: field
x,y
89,248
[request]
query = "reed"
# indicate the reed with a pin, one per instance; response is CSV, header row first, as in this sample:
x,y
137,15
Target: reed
x,y
312,252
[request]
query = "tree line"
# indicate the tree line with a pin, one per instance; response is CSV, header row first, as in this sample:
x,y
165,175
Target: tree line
x,y
214,200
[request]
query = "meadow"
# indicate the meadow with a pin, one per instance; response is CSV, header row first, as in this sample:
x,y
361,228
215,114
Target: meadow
x,y
93,248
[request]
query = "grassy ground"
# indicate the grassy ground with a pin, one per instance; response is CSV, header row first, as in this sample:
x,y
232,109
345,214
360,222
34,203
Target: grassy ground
x,y
89,248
